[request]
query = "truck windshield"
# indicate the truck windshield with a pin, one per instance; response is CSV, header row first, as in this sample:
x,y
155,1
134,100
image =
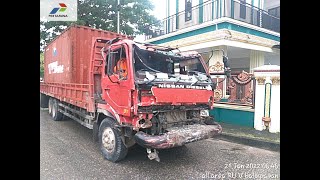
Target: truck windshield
x,y
150,64
165,62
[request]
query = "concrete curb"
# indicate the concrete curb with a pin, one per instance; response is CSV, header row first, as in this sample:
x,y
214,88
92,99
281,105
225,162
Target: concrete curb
x,y
273,146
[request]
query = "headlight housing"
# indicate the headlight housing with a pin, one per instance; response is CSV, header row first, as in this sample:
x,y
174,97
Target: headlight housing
x,y
204,113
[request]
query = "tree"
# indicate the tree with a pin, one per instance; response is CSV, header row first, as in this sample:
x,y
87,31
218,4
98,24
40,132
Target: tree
x,y
102,14
41,64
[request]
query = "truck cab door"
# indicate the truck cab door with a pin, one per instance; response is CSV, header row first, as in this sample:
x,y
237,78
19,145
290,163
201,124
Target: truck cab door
x,y
116,80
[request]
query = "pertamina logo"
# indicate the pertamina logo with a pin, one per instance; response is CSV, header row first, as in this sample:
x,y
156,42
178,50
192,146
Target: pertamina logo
x,y
56,12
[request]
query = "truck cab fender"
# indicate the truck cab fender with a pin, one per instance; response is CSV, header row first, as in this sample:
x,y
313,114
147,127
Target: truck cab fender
x,y
101,114
108,114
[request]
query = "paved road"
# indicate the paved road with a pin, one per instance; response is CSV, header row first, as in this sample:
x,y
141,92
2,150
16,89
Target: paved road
x,y
68,152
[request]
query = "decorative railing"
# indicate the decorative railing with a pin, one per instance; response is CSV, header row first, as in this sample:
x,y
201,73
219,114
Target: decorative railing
x,y
239,89
211,10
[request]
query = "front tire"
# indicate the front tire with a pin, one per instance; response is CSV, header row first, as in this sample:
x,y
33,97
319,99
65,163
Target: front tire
x,y
111,144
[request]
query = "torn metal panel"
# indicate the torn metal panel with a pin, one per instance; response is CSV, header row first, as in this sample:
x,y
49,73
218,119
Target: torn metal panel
x,y
177,136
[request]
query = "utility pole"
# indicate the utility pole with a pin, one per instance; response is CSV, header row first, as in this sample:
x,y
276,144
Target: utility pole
x,y
118,17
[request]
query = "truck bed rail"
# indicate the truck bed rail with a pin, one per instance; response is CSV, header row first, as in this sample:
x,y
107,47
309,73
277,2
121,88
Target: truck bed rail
x,y
75,94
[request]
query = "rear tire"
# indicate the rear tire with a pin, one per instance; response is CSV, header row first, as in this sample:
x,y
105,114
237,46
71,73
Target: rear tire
x,y
56,115
50,105
44,100
111,144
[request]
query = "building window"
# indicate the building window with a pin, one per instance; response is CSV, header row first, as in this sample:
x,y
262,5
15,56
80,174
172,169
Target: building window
x,y
188,10
243,11
275,12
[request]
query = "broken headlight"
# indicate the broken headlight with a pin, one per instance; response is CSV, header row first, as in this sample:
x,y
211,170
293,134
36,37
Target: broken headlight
x,y
204,113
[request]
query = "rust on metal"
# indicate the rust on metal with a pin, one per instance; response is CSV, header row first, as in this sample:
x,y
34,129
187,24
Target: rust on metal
x,y
177,136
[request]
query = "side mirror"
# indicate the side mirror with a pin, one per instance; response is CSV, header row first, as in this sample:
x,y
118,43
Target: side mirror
x,y
227,69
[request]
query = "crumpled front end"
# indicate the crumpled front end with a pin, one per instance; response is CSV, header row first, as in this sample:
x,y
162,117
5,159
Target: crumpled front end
x,y
177,136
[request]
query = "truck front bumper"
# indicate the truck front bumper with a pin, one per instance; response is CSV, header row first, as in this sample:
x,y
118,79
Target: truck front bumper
x,y
177,136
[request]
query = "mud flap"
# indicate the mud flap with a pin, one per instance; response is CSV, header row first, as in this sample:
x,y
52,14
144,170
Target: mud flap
x,y
95,132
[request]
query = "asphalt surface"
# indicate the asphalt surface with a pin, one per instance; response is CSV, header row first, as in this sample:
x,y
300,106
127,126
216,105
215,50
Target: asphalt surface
x,y
68,152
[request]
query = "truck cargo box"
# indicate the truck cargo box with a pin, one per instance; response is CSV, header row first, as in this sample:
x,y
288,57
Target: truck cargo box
x,y
67,57
67,65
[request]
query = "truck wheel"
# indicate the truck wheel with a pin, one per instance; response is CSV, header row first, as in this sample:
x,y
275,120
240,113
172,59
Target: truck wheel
x,y
50,105
43,100
56,115
110,141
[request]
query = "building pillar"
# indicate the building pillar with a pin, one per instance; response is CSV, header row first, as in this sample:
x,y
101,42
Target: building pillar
x,y
256,59
267,98
275,108
216,70
216,61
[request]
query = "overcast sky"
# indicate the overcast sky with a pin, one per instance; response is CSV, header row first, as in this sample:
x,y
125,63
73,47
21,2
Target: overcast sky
x,y
159,12
159,8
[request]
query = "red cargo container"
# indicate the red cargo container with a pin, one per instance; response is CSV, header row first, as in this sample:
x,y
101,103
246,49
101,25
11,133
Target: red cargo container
x,y
67,62
67,58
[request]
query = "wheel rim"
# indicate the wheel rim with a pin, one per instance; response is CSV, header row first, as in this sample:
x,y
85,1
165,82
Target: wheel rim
x,y
50,107
53,110
108,139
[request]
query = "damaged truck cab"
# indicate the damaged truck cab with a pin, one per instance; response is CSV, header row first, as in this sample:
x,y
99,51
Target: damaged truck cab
x,y
161,96
128,92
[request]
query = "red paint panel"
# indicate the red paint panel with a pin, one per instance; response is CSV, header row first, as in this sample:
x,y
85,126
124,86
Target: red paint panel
x,y
67,64
165,95
72,50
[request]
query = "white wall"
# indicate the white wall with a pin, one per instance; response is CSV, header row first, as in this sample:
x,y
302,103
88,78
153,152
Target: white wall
x,y
172,8
181,5
273,59
243,63
269,4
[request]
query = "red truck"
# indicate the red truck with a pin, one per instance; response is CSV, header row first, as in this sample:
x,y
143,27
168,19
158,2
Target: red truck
x,y
127,92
